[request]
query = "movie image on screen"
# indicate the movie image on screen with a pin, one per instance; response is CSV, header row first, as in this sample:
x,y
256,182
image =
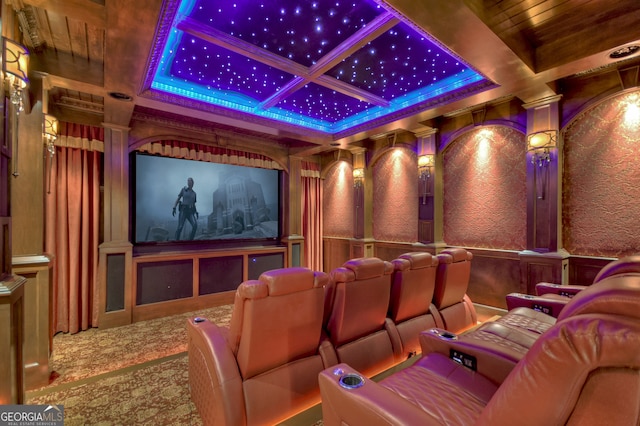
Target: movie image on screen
x,y
188,200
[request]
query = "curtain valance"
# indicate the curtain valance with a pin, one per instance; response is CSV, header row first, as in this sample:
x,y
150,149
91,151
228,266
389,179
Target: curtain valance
x,y
309,169
72,135
213,154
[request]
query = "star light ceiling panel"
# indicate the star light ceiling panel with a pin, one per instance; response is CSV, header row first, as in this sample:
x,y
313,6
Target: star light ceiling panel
x,y
333,66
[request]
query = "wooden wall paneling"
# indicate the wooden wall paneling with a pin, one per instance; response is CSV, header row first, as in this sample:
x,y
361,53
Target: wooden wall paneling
x,y
120,315
336,252
11,340
583,270
425,231
38,292
494,274
357,250
536,268
389,251
264,258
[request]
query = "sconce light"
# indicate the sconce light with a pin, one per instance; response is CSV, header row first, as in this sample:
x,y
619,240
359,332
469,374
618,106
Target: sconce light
x,y
425,163
358,178
539,144
15,61
50,134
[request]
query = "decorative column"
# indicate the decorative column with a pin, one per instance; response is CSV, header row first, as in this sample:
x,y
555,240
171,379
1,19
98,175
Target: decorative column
x,y
293,200
116,257
426,150
543,179
544,259
28,194
362,242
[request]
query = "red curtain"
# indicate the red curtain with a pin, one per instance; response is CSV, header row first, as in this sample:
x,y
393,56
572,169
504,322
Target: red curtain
x,y
72,230
312,214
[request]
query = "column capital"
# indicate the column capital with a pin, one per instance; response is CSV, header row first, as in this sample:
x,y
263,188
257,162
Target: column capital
x,y
542,102
425,131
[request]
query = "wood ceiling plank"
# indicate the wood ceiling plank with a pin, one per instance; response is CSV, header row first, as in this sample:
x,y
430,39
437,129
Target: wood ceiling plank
x,y
95,44
78,39
42,20
59,32
87,11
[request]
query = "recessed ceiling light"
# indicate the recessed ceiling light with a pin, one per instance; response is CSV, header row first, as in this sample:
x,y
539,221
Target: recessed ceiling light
x,y
120,96
625,51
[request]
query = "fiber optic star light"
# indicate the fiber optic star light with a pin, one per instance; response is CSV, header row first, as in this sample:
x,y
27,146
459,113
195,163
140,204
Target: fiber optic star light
x,y
331,66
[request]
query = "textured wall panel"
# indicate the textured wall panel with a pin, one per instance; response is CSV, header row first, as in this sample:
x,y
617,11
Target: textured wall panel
x,y
601,181
395,196
337,207
485,199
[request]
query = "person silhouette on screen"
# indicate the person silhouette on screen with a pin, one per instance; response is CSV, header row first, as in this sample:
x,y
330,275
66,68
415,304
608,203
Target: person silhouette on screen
x,y
186,204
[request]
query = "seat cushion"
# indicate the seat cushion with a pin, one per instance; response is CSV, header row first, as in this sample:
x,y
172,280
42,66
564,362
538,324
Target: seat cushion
x,y
527,320
443,388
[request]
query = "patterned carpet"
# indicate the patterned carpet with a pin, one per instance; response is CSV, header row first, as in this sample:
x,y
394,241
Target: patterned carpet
x,y
130,375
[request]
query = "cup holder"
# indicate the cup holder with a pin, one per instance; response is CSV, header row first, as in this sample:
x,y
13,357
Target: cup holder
x,y
444,334
351,381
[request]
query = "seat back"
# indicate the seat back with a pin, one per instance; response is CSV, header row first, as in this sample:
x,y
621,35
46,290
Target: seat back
x,y
626,265
356,326
410,307
583,370
450,295
361,299
414,278
277,319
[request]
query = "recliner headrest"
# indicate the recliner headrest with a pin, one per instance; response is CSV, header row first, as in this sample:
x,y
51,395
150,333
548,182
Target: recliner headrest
x,y
418,260
288,280
626,265
615,295
454,254
368,267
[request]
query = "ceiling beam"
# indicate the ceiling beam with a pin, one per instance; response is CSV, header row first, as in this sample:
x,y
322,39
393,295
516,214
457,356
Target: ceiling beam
x,y
219,38
475,43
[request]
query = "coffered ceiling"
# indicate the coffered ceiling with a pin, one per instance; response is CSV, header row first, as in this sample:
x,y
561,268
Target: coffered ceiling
x,y
312,74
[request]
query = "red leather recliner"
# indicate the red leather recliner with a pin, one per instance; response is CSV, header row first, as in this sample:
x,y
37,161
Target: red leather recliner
x,y
527,313
450,296
358,328
502,343
264,367
584,370
411,309
550,298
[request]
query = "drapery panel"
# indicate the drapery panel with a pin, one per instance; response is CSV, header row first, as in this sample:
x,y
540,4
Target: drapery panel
x,y
72,204
312,214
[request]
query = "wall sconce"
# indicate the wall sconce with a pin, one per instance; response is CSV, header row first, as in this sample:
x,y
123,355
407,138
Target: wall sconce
x,y
358,178
15,62
539,144
50,134
425,164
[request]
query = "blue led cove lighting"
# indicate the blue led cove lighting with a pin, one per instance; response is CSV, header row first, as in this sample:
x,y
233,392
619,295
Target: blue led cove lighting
x,y
260,58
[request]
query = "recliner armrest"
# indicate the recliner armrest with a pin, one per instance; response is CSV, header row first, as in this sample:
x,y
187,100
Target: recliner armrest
x,y
214,377
546,304
473,350
369,404
561,290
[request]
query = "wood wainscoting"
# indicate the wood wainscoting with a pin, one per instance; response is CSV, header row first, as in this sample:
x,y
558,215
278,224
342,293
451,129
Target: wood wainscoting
x,y
169,283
